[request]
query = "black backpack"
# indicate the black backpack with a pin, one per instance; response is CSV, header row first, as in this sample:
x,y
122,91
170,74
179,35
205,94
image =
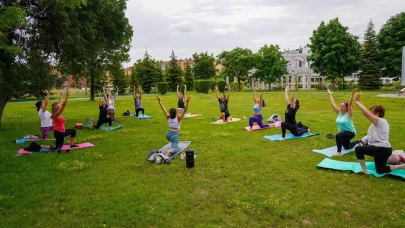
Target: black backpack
x,y
33,147
127,113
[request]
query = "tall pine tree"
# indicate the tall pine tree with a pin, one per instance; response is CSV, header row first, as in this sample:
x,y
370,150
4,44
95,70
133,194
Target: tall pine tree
x,y
173,73
146,72
188,77
370,75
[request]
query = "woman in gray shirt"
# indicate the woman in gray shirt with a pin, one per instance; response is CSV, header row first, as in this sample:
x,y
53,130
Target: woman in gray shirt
x,y
378,134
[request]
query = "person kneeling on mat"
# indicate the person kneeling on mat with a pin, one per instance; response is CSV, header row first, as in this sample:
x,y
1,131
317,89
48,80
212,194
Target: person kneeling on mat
x,y
102,117
138,102
174,126
377,136
223,104
257,109
59,130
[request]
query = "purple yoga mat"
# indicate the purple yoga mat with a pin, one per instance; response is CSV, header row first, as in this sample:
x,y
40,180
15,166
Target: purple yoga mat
x,y
64,147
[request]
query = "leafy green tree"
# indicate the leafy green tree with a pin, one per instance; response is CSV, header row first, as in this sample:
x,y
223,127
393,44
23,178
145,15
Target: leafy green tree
x,y
271,65
391,40
173,73
23,68
146,72
203,67
335,52
188,77
237,63
370,75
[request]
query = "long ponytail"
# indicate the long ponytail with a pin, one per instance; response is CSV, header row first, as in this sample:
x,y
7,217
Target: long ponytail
x,y
54,109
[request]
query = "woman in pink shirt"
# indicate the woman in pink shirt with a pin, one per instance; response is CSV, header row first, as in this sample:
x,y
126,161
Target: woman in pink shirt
x,y
59,130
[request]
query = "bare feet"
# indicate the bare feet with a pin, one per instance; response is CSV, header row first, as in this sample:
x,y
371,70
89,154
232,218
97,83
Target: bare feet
x,y
282,138
250,129
364,171
338,154
309,131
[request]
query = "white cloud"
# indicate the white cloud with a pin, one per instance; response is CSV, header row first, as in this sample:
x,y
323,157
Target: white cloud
x,y
181,27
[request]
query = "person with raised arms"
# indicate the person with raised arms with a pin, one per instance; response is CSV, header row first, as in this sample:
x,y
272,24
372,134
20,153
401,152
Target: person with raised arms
x,y
290,123
257,111
378,145
223,104
181,99
102,117
59,125
344,122
138,102
174,120
45,116
111,102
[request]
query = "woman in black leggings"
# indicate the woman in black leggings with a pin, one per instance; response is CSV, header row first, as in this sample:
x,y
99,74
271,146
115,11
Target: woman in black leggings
x,y
290,123
378,145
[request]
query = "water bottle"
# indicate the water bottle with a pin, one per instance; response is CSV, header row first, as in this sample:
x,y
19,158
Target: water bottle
x,y
190,158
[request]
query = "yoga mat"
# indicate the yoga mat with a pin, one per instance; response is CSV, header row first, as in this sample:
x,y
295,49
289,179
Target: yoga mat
x,y
330,151
355,167
182,146
106,128
189,115
23,140
256,127
221,122
140,116
64,147
288,136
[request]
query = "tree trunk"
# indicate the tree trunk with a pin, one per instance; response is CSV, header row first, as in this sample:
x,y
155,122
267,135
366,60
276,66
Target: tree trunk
x,y
3,102
343,84
333,84
92,85
238,83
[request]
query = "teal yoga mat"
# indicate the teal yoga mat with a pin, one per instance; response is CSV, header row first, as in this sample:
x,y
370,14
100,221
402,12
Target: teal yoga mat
x,y
330,151
106,128
182,146
140,116
288,136
355,167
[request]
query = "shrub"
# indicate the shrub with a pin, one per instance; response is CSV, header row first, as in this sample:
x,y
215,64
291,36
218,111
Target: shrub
x,y
162,87
202,86
221,86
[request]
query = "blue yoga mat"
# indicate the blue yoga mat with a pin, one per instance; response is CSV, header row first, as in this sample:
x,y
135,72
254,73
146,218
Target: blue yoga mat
x,y
330,151
182,146
140,116
355,167
288,136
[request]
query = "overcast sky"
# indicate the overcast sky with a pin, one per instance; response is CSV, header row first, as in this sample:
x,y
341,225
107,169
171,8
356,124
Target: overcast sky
x,y
189,26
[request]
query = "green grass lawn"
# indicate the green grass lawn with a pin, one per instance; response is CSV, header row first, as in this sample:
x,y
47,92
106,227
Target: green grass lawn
x,y
239,179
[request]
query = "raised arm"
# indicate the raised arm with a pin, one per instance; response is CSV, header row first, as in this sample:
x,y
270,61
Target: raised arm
x,y
133,93
332,102
61,96
216,91
116,93
374,119
140,92
177,89
350,104
185,88
229,92
292,103
63,106
99,99
254,94
185,109
261,98
104,94
162,107
287,101
45,106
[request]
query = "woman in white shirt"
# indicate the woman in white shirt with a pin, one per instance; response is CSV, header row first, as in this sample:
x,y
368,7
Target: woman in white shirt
x,y
174,126
378,135
45,116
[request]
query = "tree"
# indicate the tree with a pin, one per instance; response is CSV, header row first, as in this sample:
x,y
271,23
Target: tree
x,y
20,71
391,40
188,77
173,73
370,75
203,67
146,72
271,65
335,52
237,63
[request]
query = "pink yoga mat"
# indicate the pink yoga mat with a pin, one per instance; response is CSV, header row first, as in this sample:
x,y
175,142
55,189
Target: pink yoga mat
x,y
256,127
64,147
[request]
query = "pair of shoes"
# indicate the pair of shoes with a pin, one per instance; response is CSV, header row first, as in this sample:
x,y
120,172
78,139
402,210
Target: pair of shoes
x,y
73,146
